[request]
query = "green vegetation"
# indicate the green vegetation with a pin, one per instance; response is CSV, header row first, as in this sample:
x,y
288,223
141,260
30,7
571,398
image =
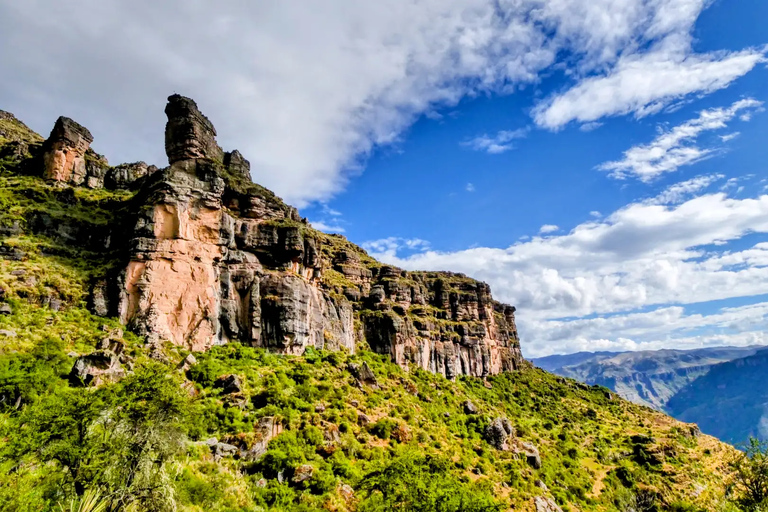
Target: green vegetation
x,y
750,487
11,129
416,450
297,433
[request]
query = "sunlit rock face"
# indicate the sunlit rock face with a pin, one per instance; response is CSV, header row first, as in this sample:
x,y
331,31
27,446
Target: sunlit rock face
x,y
208,257
202,272
64,152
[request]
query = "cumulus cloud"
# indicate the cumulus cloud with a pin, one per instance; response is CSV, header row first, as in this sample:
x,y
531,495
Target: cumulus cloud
x,y
306,91
654,329
645,255
499,143
389,247
328,228
676,147
470,187
548,228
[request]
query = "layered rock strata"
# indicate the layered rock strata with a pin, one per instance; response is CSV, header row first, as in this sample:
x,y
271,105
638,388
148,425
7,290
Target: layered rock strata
x,y
211,258
208,266
64,152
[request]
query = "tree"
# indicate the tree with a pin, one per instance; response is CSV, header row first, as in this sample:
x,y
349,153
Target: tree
x,y
750,486
140,435
116,440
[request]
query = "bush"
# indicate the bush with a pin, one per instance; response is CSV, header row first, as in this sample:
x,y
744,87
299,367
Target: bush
x,y
383,428
412,482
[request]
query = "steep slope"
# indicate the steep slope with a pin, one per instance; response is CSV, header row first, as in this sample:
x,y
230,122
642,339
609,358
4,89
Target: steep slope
x,y
730,401
651,377
195,256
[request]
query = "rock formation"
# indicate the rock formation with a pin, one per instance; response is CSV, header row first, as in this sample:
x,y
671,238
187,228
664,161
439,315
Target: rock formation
x,y
209,258
67,157
189,134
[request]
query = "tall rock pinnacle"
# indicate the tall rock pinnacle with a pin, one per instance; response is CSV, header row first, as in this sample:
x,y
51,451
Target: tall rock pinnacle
x,y
188,133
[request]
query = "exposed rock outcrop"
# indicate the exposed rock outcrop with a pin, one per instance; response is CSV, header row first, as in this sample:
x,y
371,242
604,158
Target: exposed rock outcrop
x,y
498,433
96,368
64,152
543,504
210,258
189,134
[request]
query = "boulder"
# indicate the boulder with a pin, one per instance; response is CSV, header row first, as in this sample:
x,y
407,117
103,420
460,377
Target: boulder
x,y
363,374
531,455
543,504
498,432
331,433
223,450
96,368
346,492
229,384
363,420
8,333
188,362
99,298
5,309
469,407
266,429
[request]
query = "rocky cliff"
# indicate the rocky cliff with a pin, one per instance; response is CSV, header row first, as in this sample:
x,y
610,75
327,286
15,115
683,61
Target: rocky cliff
x,y
201,256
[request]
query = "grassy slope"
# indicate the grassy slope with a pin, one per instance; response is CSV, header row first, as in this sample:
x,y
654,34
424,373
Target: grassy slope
x,y
594,446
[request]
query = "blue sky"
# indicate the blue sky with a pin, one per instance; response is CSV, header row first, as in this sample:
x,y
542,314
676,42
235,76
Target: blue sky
x,y
602,164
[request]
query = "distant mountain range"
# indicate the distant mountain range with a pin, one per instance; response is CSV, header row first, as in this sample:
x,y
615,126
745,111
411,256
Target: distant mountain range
x,y
722,389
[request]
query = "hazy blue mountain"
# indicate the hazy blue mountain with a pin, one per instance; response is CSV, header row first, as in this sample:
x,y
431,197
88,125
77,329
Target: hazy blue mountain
x,y
552,363
649,377
729,402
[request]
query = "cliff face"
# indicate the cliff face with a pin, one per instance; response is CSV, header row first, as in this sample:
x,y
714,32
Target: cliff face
x,y
205,257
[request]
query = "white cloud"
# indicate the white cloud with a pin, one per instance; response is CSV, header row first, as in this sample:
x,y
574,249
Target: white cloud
x,y
388,248
645,255
328,228
645,84
306,91
677,192
499,143
470,187
675,148
655,329
596,214
548,228
729,136
588,127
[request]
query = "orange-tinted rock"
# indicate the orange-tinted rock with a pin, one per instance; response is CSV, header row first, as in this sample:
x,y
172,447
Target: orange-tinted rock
x,y
64,151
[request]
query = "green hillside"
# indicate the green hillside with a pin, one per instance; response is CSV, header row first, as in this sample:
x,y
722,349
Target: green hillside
x,y
240,429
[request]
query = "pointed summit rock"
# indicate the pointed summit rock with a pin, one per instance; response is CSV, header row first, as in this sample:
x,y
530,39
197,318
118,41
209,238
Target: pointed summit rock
x,y
64,151
237,165
188,133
